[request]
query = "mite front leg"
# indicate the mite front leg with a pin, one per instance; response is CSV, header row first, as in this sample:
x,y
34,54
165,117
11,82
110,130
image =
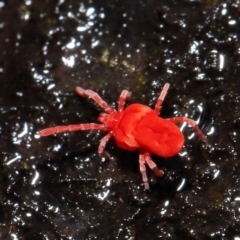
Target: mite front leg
x,y
89,93
192,123
103,143
70,128
122,99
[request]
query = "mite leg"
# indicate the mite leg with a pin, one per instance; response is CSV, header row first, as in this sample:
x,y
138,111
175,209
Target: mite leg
x,y
71,128
103,143
192,123
152,165
89,93
123,97
144,158
142,168
160,99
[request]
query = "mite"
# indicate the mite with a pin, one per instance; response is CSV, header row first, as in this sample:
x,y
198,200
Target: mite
x,y
137,127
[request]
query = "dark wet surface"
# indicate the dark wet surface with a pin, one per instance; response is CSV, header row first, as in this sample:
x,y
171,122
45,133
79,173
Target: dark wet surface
x,y
58,187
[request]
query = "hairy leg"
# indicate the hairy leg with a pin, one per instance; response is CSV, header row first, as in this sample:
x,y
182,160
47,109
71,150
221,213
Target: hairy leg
x,y
89,93
71,128
192,123
152,165
160,99
142,168
103,143
123,97
144,158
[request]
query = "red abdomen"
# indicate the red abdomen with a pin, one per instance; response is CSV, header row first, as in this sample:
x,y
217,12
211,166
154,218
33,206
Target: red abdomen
x,y
140,127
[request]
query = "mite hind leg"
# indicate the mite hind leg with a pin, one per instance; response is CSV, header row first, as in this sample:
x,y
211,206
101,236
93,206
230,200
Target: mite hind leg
x,y
192,123
160,99
144,158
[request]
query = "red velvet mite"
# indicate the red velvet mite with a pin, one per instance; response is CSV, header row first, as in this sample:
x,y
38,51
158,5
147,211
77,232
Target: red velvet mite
x,y
135,127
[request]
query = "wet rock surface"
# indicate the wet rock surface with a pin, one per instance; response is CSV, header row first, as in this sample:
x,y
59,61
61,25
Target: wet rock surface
x,y
58,187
